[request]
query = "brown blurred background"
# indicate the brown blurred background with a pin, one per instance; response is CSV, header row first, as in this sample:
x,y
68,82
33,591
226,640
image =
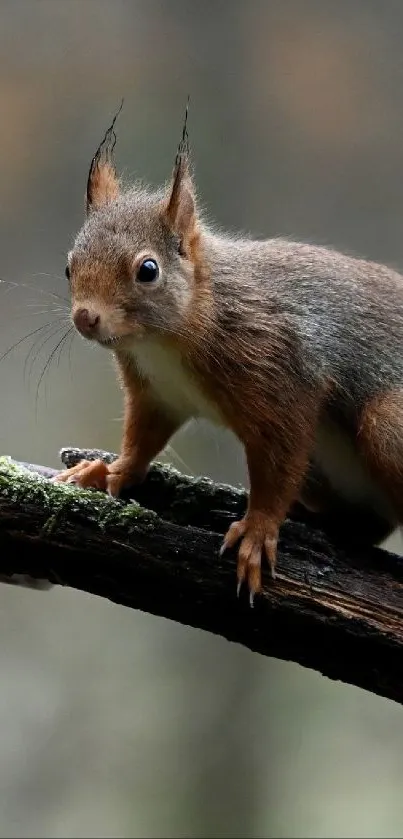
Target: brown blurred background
x,y
115,723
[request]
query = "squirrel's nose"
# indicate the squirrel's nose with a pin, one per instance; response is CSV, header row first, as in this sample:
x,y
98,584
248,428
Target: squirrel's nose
x,y
86,322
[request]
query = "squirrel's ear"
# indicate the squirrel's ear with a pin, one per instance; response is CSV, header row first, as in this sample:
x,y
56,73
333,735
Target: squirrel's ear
x,y
180,208
103,182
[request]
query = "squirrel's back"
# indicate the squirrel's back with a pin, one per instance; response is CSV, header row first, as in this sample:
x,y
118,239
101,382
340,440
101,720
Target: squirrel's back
x,y
347,313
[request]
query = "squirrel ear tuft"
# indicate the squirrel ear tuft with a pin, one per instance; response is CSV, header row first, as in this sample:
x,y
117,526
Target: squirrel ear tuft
x,y
103,182
180,208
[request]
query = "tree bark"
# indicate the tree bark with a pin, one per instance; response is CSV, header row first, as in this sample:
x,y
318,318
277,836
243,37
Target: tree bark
x,y
333,609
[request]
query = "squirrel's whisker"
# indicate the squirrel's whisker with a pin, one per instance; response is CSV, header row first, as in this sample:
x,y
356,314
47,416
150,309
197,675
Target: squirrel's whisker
x,y
48,364
26,286
25,337
38,345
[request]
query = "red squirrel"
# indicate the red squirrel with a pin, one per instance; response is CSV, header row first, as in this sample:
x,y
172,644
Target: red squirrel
x,y
295,348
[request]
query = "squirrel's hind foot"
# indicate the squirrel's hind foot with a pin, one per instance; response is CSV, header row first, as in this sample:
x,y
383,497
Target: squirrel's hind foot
x,y
259,534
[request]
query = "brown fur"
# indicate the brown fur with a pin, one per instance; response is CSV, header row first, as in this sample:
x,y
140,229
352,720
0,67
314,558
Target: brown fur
x,y
180,210
104,186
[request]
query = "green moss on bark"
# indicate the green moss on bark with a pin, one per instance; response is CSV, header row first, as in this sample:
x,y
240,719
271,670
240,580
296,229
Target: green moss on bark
x,y
21,486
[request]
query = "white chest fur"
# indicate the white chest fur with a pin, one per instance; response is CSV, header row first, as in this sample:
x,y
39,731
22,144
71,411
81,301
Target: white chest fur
x,y
340,463
172,384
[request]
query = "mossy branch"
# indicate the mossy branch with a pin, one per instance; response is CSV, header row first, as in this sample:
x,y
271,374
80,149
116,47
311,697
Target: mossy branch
x,y
338,612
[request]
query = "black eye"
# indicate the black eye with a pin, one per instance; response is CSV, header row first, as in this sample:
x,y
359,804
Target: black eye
x,y
148,271
67,272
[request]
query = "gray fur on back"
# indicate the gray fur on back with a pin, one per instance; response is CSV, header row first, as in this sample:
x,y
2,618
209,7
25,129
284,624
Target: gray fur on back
x,y
346,312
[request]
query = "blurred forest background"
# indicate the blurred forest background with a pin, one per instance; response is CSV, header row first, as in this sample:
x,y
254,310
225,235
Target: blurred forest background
x,y
115,723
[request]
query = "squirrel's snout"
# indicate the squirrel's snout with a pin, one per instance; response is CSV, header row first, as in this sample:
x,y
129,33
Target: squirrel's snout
x,y
86,322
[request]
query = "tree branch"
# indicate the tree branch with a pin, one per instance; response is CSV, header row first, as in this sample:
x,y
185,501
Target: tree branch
x,y
338,612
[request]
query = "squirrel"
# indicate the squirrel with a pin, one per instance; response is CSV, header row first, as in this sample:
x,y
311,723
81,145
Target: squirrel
x,y
296,348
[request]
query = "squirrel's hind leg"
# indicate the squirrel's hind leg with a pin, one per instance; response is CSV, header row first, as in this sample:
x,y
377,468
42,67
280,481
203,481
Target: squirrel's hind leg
x,y
380,441
345,522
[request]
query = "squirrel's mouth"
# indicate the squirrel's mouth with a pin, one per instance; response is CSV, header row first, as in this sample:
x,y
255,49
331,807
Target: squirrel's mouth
x,y
111,341
123,340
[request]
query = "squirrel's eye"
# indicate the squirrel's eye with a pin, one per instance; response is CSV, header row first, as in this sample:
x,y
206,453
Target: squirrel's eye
x,y
148,271
67,272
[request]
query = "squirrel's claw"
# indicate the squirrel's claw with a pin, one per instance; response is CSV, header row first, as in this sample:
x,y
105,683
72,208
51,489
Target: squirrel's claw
x,y
251,594
258,535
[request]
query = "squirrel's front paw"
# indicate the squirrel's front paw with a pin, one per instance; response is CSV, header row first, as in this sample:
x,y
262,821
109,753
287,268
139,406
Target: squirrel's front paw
x,y
123,473
88,474
95,474
259,534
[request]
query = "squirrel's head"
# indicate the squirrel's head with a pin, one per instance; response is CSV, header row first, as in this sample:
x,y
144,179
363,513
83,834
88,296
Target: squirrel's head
x,y
134,269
